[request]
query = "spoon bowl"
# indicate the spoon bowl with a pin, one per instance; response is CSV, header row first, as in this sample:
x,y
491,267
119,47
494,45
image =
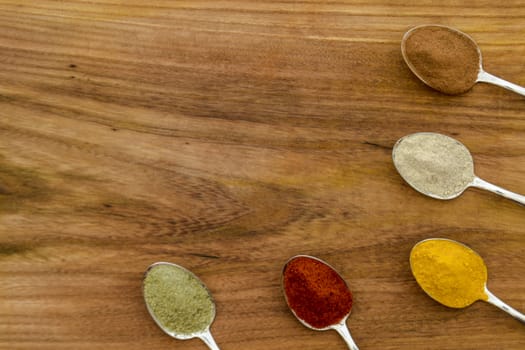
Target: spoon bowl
x,y
453,274
164,287
447,60
318,296
440,167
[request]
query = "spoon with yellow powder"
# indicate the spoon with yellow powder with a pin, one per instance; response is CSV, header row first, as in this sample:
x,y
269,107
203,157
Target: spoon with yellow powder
x,y
179,302
453,274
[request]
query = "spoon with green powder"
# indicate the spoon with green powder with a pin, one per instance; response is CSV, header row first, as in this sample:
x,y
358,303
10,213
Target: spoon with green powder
x,y
179,302
440,167
453,274
447,60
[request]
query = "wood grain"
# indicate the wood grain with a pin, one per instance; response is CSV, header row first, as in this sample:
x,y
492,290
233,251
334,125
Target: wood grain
x,y
228,136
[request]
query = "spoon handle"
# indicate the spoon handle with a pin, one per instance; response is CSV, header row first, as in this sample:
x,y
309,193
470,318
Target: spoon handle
x,y
485,77
494,300
343,331
207,338
479,183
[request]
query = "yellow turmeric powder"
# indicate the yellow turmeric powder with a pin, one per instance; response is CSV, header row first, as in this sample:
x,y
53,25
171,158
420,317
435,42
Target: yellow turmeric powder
x,y
449,272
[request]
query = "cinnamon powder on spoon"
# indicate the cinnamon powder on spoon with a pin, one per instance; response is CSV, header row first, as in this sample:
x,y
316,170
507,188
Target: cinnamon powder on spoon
x,y
445,59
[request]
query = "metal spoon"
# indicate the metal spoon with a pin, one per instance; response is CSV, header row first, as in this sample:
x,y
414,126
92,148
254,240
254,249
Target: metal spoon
x,y
340,326
440,167
421,274
482,77
204,334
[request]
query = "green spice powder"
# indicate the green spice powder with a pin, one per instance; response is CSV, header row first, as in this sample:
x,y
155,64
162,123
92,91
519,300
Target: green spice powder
x,y
179,301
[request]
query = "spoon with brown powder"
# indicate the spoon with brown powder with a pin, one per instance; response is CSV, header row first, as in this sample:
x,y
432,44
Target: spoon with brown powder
x,y
440,167
447,60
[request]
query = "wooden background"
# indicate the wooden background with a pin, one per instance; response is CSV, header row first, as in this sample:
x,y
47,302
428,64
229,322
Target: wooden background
x,y
228,136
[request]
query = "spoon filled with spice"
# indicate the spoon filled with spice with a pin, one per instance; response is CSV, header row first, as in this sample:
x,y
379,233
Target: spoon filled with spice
x,y
447,60
440,167
453,274
179,302
318,296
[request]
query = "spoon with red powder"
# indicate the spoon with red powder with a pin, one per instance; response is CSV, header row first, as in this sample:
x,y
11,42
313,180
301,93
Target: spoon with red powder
x,y
318,296
447,60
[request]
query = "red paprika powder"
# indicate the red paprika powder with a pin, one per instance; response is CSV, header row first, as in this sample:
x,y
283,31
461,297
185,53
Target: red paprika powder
x,y
315,292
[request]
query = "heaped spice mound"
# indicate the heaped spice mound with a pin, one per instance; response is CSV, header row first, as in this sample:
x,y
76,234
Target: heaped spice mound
x,y
445,59
315,292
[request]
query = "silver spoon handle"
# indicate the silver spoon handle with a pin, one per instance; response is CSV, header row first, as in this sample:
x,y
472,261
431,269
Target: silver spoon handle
x,y
343,331
485,77
479,183
207,338
494,300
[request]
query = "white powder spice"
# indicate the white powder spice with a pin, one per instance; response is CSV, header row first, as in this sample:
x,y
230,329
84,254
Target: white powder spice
x,y
434,164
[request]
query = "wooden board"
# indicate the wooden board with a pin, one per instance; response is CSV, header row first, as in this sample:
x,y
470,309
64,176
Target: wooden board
x,y
228,136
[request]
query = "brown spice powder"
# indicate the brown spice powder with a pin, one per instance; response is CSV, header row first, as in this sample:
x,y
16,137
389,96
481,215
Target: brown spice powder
x,y
443,58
